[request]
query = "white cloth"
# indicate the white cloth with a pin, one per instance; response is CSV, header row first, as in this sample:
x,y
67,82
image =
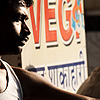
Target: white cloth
x,y
13,90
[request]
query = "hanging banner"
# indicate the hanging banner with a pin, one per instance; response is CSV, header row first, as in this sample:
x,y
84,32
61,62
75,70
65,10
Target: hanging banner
x,y
57,48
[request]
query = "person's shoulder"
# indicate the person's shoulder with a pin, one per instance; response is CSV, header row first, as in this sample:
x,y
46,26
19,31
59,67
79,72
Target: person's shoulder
x,y
27,80
22,73
19,70
31,77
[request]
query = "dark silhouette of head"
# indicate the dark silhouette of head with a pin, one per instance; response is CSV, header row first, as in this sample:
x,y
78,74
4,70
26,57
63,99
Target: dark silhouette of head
x,y
13,28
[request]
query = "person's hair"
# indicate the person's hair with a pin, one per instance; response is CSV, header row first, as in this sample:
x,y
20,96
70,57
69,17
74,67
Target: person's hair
x,y
26,3
29,3
6,3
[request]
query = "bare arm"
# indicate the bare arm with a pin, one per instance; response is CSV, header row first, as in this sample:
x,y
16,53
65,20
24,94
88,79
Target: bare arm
x,y
36,87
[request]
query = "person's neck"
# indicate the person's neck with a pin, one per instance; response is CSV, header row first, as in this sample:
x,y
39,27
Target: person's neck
x,y
3,79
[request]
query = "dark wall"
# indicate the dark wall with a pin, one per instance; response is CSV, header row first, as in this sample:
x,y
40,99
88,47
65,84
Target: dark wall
x,y
92,27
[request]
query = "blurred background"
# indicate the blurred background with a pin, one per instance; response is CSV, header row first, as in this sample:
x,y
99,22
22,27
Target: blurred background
x,y
92,27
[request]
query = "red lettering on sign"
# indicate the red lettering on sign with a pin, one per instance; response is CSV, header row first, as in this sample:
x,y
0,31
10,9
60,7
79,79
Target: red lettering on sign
x,y
36,27
77,35
66,34
68,1
69,21
77,10
51,35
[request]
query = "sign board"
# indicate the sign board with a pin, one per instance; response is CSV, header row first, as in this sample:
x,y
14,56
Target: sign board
x,y
57,48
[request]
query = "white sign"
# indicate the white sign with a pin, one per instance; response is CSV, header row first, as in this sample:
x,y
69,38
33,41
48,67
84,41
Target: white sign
x,y
57,48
